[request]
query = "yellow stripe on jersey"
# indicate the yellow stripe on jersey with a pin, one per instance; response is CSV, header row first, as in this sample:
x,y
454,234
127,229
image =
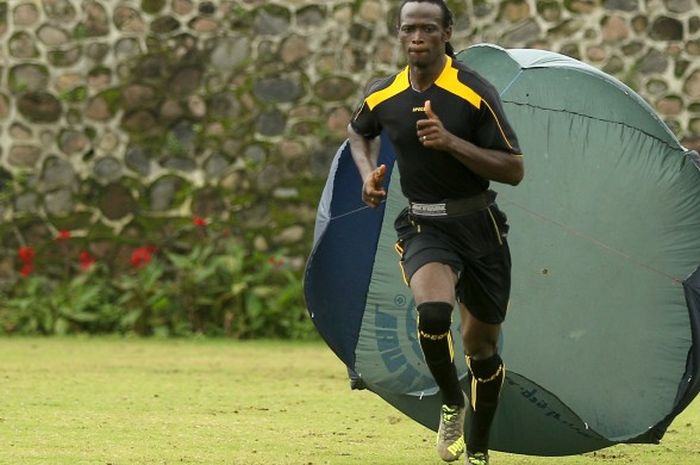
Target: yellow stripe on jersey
x,y
449,81
500,128
399,85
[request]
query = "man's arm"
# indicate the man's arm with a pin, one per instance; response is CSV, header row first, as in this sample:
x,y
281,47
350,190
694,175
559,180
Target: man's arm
x,y
365,153
491,164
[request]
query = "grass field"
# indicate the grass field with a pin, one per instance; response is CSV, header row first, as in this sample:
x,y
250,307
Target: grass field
x,y
116,401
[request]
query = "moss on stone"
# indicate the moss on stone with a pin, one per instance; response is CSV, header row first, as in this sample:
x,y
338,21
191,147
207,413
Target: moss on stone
x,y
113,98
18,85
269,18
80,32
173,146
99,230
32,228
100,70
182,191
544,5
158,228
631,79
309,189
76,95
64,58
281,216
77,220
152,6
90,132
680,67
243,199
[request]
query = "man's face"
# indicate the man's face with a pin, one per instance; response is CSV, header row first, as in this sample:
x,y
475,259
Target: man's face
x,y
421,33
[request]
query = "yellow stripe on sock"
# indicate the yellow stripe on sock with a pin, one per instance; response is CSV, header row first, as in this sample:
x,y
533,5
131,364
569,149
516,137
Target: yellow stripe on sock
x,y
473,393
433,337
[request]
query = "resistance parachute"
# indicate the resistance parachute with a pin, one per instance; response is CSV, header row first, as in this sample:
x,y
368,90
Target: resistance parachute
x,y
602,338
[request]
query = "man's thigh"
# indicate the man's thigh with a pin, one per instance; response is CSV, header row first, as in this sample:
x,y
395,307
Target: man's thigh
x,y
434,282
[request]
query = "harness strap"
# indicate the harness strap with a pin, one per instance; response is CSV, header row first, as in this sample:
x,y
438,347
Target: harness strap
x,y
453,207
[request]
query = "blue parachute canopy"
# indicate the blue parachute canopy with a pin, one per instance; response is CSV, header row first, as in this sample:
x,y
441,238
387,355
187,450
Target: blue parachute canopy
x,y
602,338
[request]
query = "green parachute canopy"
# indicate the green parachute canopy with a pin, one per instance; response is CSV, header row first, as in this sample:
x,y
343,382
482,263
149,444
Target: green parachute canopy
x,y
606,229
602,338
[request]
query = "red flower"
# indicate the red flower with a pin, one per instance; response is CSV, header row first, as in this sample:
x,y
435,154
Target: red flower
x,y
63,235
26,254
26,269
142,256
199,222
86,260
276,262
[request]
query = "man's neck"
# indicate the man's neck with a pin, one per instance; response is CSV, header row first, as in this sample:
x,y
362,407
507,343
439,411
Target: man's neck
x,y
423,77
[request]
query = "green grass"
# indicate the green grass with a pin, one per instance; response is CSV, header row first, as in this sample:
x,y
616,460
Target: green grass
x,y
115,401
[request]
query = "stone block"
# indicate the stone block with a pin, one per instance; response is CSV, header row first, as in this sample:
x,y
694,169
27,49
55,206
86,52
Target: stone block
x,y
25,14
22,46
24,156
40,107
115,201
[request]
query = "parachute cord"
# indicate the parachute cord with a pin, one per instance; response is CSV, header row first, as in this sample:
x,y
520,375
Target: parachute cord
x,y
506,88
352,211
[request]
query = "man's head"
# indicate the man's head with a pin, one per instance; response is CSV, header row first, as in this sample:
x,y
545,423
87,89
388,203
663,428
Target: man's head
x,y
425,28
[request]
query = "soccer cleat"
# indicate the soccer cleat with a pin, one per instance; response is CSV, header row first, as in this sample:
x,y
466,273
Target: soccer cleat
x,y
477,458
450,439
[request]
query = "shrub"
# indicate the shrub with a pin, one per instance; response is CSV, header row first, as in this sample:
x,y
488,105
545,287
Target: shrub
x,y
216,287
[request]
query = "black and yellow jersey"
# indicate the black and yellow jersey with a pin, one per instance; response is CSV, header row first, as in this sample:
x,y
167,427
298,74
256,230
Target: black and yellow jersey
x,y
468,106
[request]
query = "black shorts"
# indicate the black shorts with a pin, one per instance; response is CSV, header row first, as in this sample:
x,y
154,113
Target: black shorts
x,y
473,245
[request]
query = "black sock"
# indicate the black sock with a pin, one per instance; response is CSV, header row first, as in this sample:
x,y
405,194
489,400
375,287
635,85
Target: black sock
x,y
438,349
485,381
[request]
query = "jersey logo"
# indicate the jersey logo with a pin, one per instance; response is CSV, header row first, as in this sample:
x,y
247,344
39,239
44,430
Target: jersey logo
x,y
418,109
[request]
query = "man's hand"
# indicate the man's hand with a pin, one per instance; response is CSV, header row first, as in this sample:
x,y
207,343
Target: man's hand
x,y
372,190
431,133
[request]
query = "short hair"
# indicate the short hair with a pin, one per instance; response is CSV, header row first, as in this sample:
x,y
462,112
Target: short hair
x,y
447,18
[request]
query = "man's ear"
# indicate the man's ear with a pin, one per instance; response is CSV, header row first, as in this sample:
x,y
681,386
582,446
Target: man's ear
x,y
448,34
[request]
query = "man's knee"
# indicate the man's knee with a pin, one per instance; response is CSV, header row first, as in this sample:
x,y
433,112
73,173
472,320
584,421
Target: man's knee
x,y
479,350
479,345
434,319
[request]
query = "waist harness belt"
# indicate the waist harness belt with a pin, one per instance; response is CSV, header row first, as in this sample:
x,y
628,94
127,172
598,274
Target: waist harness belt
x,y
453,207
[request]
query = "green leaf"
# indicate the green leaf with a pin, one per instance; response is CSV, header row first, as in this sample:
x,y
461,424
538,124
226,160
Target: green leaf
x,y
81,317
238,288
264,291
161,304
180,261
62,326
131,318
203,274
254,306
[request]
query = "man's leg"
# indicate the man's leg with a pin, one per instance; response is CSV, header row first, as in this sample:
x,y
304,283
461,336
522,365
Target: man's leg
x,y
486,375
433,288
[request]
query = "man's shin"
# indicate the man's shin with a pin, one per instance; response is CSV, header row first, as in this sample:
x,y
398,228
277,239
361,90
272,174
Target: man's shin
x,y
434,319
485,381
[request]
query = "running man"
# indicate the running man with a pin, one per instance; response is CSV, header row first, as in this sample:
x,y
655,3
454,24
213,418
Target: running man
x,y
451,138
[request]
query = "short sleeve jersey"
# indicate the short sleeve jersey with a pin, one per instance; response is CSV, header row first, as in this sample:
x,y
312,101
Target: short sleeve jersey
x,y
468,106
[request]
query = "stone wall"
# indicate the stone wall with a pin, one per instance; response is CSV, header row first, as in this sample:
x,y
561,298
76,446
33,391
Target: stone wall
x,y
121,117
